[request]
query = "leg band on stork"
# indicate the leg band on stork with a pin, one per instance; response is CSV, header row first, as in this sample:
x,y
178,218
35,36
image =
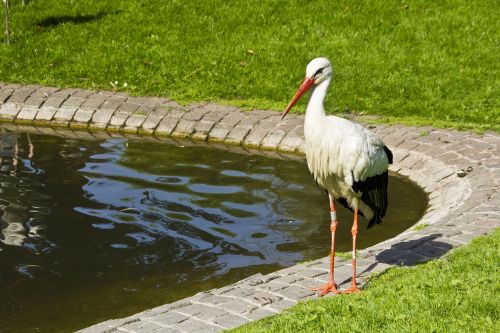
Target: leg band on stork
x,y
331,286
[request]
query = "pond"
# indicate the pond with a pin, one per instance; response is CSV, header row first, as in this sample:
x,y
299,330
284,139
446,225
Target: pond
x,y
98,229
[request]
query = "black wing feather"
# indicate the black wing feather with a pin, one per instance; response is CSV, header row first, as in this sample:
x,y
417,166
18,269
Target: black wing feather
x,y
389,154
374,192
374,195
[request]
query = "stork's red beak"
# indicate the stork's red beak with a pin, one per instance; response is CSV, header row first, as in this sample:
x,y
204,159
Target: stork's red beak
x,y
304,87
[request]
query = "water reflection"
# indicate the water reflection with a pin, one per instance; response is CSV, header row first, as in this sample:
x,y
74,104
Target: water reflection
x,y
146,223
17,225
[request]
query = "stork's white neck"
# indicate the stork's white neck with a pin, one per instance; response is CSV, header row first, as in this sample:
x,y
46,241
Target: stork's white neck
x,y
315,107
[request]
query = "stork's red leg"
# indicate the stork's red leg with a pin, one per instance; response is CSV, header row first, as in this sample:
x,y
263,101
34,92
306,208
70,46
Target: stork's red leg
x,y
354,232
331,286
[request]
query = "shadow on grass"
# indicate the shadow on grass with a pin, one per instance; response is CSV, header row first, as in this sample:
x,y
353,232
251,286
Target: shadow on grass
x,y
54,21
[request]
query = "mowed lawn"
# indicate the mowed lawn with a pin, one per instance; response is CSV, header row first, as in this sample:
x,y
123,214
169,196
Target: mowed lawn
x,y
459,293
418,62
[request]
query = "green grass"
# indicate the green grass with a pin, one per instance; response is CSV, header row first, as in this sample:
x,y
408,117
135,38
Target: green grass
x,y
456,294
418,62
421,226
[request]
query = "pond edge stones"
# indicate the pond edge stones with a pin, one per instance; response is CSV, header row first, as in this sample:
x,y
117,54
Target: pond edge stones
x,y
460,172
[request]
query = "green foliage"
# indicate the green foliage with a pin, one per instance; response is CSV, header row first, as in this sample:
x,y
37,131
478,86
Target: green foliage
x,y
421,226
456,294
420,62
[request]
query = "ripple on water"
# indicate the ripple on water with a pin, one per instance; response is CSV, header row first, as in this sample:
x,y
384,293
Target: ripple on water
x,y
215,189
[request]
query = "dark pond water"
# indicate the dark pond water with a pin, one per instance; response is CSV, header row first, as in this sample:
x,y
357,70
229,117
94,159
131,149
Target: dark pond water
x,y
91,230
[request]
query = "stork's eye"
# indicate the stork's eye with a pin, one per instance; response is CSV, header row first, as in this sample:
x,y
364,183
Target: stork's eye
x,y
319,71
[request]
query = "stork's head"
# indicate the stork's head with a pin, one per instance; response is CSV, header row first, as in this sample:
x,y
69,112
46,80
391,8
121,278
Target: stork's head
x,y
317,71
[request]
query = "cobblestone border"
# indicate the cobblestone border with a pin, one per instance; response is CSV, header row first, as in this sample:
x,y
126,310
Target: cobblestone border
x,y
459,170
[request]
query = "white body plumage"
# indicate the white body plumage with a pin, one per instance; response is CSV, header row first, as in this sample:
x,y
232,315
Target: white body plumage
x,y
340,152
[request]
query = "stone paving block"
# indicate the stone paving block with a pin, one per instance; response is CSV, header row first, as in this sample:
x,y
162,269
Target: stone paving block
x,y
220,109
113,103
296,292
34,101
394,140
288,279
273,286
236,135
166,125
214,116
9,110
118,120
136,119
408,258
94,101
411,160
74,101
44,92
54,101
280,306
172,104
202,311
218,132
64,93
127,108
290,143
377,267
176,113
153,120
184,129
262,298
167,318
430,251
310,273
83,115
260,313
142,326
249,121
301,148
5,94
193,325
272,139
201,130
134,122
27,113
214,299
259,279
19,96
195,114
255,137
107,326
442,173
101,117
230,320
239,306
64,113
82,93
238,292
231,119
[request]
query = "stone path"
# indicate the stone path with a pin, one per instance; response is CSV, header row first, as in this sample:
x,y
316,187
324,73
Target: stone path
x,y
459,170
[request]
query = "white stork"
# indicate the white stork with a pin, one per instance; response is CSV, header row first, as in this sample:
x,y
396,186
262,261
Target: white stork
x,y
346,160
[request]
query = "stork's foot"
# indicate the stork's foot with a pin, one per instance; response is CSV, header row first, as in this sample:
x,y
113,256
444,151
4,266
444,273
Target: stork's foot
x,y
327,288
353,289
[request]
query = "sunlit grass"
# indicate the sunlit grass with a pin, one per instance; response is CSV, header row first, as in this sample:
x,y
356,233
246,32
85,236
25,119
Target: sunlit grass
x,y
417,62
456,294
